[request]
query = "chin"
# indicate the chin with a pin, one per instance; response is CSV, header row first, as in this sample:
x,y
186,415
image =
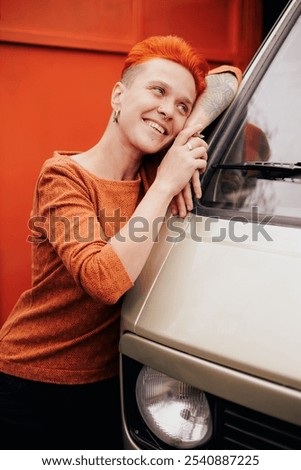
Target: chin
x,y
159,147
151,149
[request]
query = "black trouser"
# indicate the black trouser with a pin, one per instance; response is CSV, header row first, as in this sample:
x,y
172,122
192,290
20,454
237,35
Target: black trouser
x,y
36,415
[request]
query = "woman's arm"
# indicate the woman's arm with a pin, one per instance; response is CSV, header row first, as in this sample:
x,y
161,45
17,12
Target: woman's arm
x,y
220,91
173,173
221,88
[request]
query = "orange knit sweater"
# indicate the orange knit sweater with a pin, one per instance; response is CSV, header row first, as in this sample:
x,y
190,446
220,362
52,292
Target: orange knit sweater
x,y
65,329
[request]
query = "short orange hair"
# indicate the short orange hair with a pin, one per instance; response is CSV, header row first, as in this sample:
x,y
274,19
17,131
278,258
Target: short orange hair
x,y
171,48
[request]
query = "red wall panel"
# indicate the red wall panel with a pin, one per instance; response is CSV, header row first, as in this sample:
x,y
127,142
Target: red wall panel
x,y
110,25
225,31
50,99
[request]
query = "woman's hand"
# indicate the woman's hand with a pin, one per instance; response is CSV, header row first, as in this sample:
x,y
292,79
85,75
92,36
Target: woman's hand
x,y
183,201
181,167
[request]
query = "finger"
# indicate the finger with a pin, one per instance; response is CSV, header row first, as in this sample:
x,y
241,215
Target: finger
x,y
201,138
199,152
182,210
195,143
201,142
200,165
188,197
196,184
186,133
174,206
199,135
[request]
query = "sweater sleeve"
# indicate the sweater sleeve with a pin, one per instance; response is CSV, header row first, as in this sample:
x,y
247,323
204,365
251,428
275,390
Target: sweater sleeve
x,y
65,204
227,68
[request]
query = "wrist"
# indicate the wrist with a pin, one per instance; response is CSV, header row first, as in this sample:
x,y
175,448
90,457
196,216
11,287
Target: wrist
x,y
162,190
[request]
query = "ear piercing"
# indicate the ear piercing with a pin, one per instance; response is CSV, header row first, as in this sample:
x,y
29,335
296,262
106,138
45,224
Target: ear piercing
x,y
116,115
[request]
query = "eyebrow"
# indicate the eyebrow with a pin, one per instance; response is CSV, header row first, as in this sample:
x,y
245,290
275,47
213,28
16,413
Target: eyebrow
x,y
166,85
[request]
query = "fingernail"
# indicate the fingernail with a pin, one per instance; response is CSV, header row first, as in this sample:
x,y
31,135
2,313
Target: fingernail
x,y
198,134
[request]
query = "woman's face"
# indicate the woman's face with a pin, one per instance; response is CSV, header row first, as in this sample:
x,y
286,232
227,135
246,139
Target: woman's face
x,y
155,104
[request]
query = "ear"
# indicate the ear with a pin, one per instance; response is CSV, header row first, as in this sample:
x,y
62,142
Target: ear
x,y
117,94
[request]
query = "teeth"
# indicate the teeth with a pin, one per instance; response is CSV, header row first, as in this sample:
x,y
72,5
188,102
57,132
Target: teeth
x,y
156,126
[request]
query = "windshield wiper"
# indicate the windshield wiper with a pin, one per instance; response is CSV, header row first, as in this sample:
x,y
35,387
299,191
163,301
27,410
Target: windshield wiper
x,y
264,170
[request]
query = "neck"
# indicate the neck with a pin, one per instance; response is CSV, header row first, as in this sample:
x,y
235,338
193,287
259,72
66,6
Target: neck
x,y
110,159
125,160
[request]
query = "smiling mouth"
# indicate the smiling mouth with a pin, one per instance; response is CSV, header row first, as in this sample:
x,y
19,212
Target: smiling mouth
x,y
156,126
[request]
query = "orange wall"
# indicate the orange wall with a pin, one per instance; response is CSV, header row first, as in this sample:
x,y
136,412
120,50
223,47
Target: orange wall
x,y
50,99
58,62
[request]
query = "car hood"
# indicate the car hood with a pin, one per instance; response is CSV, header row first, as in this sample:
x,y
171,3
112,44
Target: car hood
x,y
227,295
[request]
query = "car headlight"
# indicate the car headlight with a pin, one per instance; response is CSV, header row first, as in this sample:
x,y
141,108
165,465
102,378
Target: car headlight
x,y
175,412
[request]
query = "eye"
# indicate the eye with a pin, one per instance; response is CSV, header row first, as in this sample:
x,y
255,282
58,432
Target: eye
x,y
183,108
159,90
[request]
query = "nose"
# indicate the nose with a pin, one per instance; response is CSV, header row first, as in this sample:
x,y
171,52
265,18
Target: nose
x,y
165,110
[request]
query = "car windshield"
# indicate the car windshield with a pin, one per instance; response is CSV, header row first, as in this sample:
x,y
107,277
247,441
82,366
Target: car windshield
x,y
262,166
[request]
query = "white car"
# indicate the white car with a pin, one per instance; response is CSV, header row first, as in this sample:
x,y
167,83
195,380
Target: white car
x,y
211,333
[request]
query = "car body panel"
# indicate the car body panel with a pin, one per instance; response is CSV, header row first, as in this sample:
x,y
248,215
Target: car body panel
x,y
191,306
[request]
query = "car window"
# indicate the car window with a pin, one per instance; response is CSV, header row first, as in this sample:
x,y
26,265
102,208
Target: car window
x,y
261,168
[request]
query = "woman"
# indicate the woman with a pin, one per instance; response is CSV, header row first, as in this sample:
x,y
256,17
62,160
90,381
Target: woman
x,y
59,346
